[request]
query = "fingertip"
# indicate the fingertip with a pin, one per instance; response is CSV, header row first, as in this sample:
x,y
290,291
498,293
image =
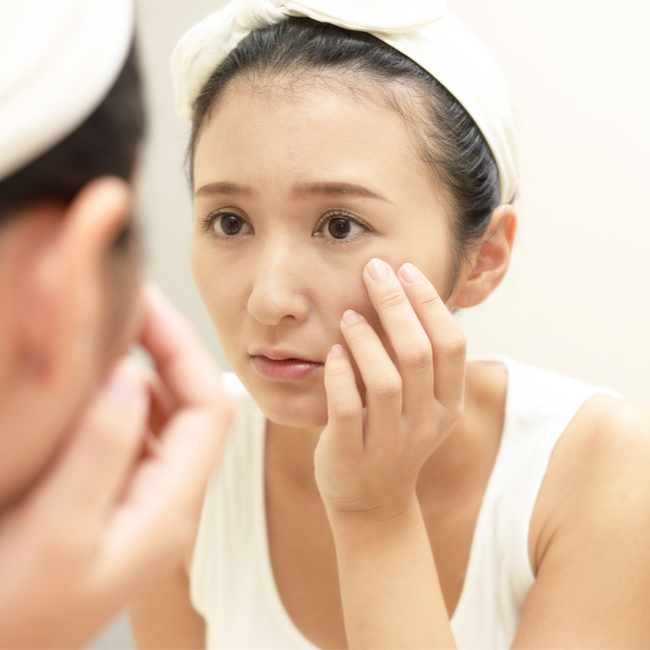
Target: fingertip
x,y
337,359
182,360
351,317
377,270
126,384
337,365
410,273
108,191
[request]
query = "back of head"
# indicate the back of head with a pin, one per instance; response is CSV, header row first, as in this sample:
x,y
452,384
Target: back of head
x,y
106,143
72,109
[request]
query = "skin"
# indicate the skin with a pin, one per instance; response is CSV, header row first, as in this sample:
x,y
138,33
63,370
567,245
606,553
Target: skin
x,y
376,464
41,328
102,462
290,212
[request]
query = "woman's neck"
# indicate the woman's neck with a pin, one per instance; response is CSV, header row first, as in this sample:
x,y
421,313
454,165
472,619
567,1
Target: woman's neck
x,y
291,451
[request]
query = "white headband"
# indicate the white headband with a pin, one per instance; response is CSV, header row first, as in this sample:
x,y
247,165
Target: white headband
x,y
58,60
423,31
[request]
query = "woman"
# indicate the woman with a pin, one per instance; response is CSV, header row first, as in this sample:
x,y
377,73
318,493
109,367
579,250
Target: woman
x,y
353,185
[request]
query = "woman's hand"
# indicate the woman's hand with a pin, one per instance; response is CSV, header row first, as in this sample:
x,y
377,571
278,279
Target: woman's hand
x,y
119,505
368,459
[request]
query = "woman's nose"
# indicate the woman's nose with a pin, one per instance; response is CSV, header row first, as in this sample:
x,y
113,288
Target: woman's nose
x,y
278,290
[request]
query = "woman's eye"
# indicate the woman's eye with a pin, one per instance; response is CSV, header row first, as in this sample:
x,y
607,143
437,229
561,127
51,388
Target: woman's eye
x,y
230,225
343,228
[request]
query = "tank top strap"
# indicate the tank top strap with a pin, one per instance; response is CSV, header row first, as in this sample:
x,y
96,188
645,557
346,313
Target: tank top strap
x,y
539,407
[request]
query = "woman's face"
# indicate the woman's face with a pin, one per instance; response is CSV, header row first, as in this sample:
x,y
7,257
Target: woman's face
x,y
294,193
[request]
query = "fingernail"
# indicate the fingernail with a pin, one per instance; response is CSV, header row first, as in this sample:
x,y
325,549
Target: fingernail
x,y
351,317
410,273
337,351
124,385
119,386
377,270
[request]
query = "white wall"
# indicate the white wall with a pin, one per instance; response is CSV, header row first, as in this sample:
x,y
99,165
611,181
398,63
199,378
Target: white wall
x,y
577,298
166,205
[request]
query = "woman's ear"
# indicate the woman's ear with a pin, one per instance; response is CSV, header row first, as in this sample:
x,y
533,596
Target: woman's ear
x,y
64,280
55,274
490,261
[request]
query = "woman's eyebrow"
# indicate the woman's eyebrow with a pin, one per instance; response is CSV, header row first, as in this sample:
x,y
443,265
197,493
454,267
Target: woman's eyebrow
x,y
322,188
334,189
224,187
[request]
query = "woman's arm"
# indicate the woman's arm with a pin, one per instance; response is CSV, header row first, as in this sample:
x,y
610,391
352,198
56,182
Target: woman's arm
x,y
593,550
389,585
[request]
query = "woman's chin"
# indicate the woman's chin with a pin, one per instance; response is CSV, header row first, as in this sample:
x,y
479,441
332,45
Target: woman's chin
x,y
295,415
296,421
301,405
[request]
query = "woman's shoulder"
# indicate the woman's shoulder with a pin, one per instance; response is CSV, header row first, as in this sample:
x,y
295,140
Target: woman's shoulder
x,y
598,479
597,444
614,420
588,542
609,442
538,404
532,389
231,382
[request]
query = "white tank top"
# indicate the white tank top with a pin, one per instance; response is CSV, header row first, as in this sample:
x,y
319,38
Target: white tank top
x,y
232,584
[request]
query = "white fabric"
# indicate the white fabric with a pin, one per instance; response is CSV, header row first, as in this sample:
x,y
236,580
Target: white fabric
x,y
232,583
58,59
423,31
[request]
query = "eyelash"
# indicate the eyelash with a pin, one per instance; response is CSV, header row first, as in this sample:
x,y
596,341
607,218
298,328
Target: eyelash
x,y
341,214
208,224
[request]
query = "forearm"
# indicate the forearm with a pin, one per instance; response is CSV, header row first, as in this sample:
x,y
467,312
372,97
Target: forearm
x,y
389,585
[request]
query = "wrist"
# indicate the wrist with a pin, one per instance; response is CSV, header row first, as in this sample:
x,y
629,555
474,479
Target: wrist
x,y
376,517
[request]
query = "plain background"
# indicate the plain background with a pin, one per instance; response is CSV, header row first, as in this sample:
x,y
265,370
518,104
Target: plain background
x,y
576,299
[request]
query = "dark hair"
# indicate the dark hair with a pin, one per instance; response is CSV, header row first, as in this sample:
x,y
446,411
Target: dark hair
x,y
106,143
448,139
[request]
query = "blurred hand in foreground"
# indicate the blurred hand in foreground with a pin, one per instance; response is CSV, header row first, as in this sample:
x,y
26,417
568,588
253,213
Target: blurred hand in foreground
x,y
119,504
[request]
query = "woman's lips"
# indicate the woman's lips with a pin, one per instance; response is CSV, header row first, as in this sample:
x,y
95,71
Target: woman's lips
x,y
285,369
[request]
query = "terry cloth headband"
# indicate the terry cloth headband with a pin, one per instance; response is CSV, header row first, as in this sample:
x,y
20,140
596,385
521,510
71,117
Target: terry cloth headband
x,y
58,60
423,31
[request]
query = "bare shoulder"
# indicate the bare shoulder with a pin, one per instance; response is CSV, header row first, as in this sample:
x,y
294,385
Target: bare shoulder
x,y
599,473
590,533
608,438
608,422
608,441
607,451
